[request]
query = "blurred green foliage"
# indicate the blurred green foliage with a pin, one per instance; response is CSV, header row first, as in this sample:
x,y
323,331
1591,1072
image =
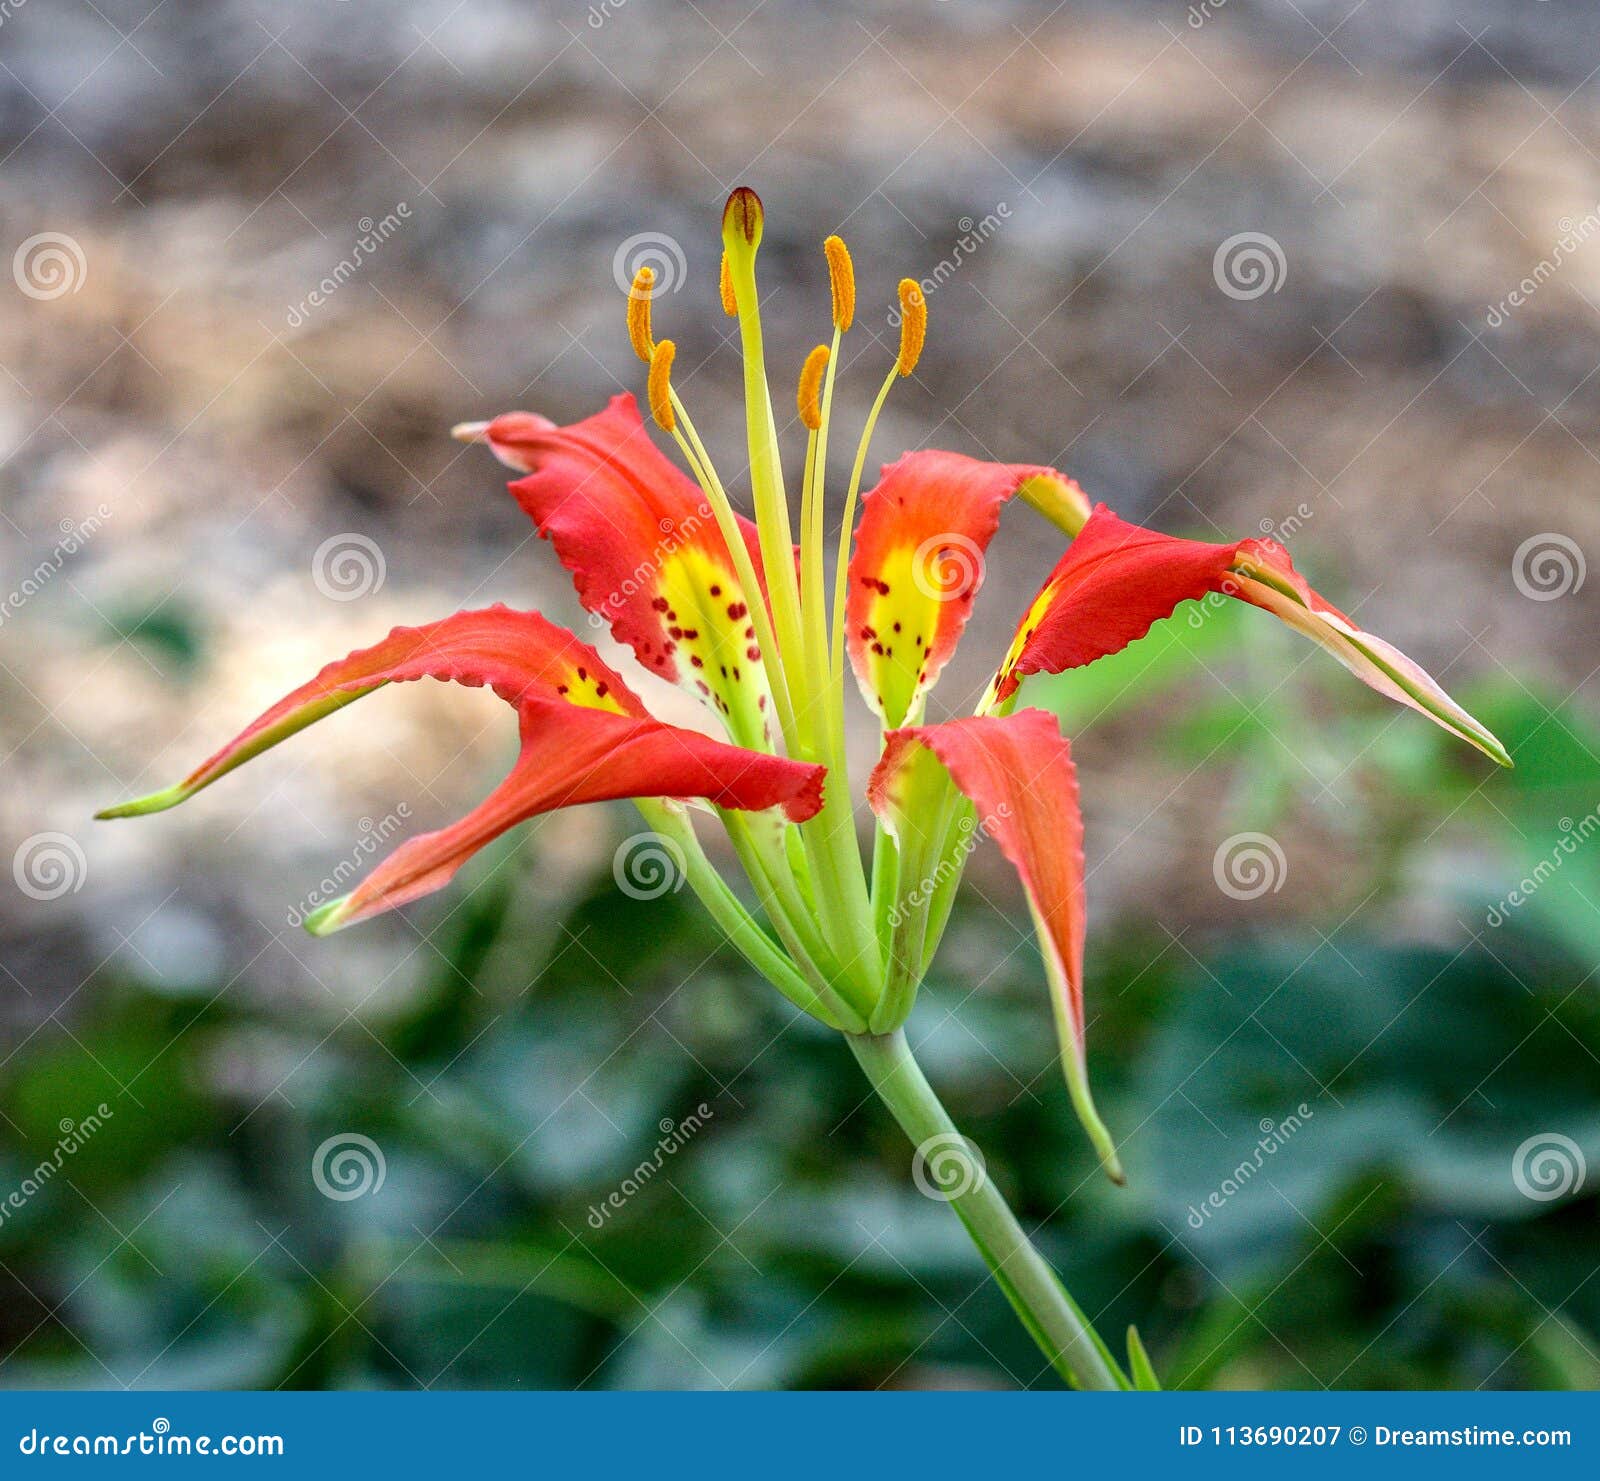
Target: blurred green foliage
x,y
1384,1242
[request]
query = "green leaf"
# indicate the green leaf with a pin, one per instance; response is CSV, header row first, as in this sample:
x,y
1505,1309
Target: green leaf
x,y
1144,1375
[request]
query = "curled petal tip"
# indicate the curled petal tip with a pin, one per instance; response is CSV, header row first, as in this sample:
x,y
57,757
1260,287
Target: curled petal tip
x,y
328,918
139,806
470,431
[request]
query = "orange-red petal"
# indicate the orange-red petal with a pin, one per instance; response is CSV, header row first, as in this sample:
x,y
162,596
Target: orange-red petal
x,y
568,759
586,737
1018,772
1117,579
644,550
918,563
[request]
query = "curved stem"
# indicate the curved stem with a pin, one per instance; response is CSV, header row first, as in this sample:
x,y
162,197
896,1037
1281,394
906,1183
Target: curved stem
x,y
1051,1316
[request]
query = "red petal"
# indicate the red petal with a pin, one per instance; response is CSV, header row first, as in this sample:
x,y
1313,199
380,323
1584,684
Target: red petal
x,y
519,655
571,756
585,736
1018,772
918,564
644,550
1117,579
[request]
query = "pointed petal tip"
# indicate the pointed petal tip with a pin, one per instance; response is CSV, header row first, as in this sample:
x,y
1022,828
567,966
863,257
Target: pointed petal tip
x,y
139,806
470,431
328,918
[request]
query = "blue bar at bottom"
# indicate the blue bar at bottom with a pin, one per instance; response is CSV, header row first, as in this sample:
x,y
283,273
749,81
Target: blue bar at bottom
x,y
775,1435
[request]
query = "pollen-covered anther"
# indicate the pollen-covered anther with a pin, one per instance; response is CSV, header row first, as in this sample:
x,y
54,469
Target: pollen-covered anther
x,y
659,385
639,334
841,282
730,305
913,324
809,396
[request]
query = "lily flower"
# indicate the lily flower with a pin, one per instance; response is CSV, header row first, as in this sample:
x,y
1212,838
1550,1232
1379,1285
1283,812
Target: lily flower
x,y
739,612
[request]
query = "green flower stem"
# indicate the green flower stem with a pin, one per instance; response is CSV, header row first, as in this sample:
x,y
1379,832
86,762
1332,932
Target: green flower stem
x,y
1051,1316
808,990
794,920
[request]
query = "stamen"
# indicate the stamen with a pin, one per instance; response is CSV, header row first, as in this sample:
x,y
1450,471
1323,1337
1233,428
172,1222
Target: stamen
x,y
842,283
913,325
729,306
810,393
639,314
659,384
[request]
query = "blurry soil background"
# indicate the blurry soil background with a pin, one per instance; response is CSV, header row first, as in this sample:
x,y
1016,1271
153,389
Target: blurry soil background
x,y
218,473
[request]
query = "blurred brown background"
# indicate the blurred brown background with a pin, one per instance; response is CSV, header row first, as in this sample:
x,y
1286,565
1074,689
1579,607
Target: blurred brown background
x,y
212,481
